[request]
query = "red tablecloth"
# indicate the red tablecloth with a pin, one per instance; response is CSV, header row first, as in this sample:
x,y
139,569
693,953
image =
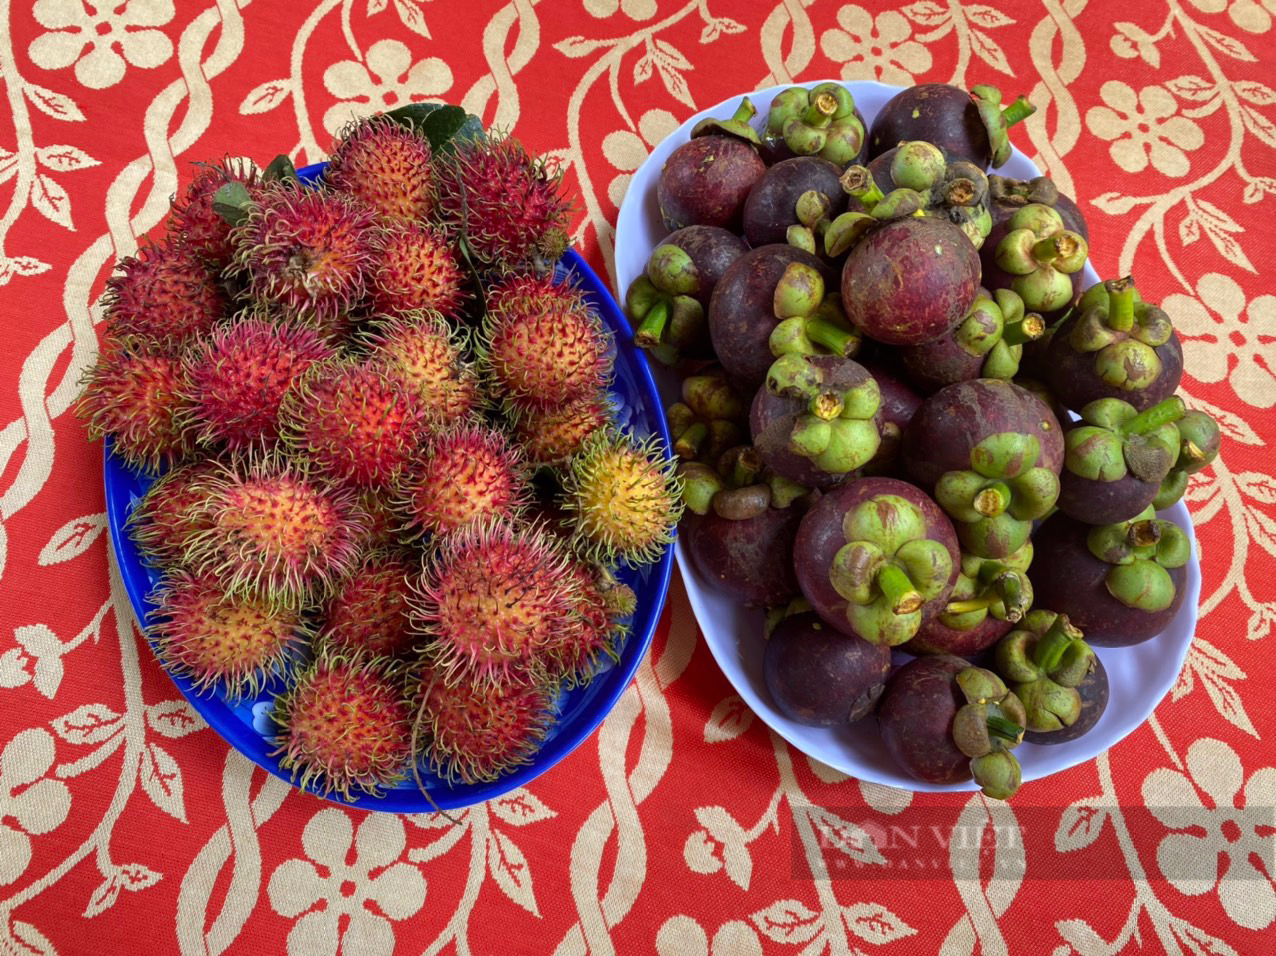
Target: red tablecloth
x,y
684,826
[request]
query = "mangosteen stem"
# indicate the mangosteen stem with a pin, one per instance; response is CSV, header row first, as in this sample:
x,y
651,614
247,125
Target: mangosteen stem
x,y
992,500
1162,413
838,341
1121,306
1004,729
960,192
1027,329
857,181
1055,643
745,111
898,589
1060,246
651,329
1009,587
826,406
981,603
821,110
689,442
1017,111
1144,534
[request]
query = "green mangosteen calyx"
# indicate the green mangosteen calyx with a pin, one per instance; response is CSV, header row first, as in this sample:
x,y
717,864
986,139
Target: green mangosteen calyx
x,y
1042,254
820,121
1123,332
986,587
848,228
812,209
709,418
1199,442
663,307
837,432
700,483
736,126
1021,192
888,568
811,323
987,727
998,120
956,191
1141,551
995,501
1044,660
1117,440
996,327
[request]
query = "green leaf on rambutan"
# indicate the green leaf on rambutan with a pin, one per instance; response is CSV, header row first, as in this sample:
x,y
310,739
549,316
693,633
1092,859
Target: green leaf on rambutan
x,y
440,123
280,170
231,202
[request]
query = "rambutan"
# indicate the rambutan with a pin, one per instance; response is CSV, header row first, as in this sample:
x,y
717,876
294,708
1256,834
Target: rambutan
x,y
545,351
360,422
416,270
368,609
386,165
549,436
135,394
165,293
425,351
193,220
169,513
305,251
476,733
274,530
239,376
346,724
575,651
492,598
465,474
231,642
383,522
526,294
625,498
507,206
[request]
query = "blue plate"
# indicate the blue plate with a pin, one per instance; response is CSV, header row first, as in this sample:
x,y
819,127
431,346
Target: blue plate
x,y
247,726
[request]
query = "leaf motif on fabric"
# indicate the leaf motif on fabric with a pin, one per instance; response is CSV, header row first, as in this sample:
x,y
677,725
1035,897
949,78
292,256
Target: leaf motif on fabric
x,y
72,539
927,13
56,105
51,201
174,718
851,839
723,828
1080,824
1082,938
64,158
161,778
875,924
88,724
988,50
520,807
265,97
508,866
788,921
731,718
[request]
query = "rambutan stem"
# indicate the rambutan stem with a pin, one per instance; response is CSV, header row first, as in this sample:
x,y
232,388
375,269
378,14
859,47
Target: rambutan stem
x,y
651,330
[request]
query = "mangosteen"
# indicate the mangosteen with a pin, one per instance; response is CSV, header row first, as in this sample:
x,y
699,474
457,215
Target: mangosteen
x,y
1008,196
813,422
899,405
819,676
1116,346
795,192
709,419
667,305
1199,442
944,721
992,452
987,601
1093,691
706,180
822,121
971,126
1116,459
877,558
1043,661
1121,583
747,558
1037,256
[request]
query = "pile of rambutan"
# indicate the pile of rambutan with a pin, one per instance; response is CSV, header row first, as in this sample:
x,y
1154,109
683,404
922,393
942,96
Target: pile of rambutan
x,y
388,493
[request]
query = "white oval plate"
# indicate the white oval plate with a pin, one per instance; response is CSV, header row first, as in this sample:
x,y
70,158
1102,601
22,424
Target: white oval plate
x,y
1139,677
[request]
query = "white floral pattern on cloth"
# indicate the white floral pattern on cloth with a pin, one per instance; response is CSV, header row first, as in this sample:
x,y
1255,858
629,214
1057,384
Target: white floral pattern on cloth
x,y
626,150
682,936
634,9
1253,16
116,35
1142,126
389,79
1216,326
397,892
1190,860
30,804
875,49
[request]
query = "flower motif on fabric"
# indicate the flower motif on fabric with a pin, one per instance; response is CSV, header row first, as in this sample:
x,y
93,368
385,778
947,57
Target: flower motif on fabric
x,y
875,49
1216,325
1142,126
387,80
634,9
101,37
1253,16
30,804
626,150
323,888
1189,857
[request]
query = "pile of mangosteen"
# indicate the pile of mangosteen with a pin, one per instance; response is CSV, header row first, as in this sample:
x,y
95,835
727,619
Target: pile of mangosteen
x,y
906,429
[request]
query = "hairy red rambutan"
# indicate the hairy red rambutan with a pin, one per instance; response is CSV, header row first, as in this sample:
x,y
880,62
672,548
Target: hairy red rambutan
x,y
507,206
386,165
492,598
219,640
430,355
465,474
193,220
549,436
476,732
168,514
305,251
416,269
165,293
360,422
345,725
239,376
368,609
